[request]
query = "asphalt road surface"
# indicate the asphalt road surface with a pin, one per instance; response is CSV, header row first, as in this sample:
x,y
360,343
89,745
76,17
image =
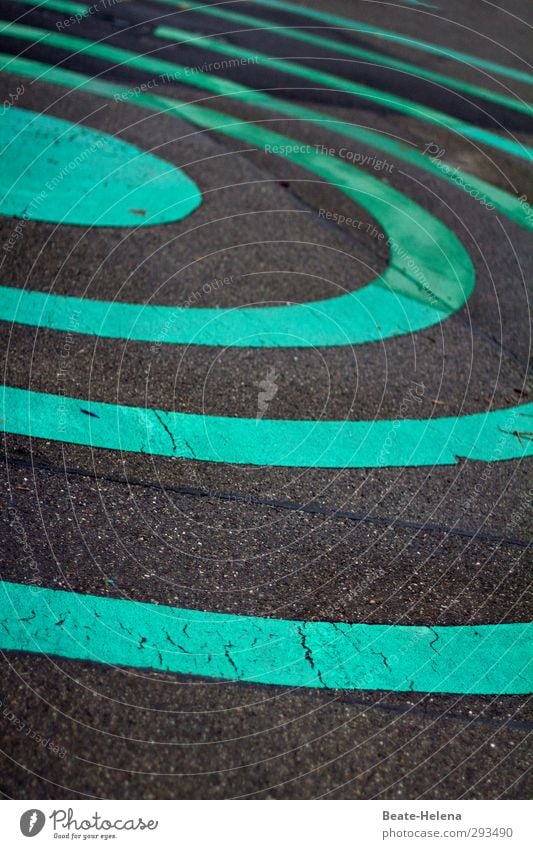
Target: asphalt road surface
x,y
266,405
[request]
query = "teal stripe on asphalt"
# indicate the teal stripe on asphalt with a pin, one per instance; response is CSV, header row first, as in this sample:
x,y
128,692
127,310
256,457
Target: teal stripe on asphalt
x,y
332,81
517,210
359,53
389,35
66,6
53,170
490,437
476,659
369,315
429,277
420,3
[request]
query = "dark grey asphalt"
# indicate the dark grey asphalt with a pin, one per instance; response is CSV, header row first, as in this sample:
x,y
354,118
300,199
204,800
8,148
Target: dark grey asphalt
x,y
294,543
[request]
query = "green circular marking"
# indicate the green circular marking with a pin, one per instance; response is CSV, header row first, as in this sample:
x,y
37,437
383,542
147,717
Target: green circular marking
x,y
480,659
346,49
53,170
374,95
490,195
415,43
429,277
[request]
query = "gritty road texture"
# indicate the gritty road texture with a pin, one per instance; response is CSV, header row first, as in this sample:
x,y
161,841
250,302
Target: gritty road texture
x,y
419,545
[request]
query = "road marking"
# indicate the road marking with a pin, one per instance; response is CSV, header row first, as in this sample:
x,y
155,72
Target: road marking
x,y
480,659
477,659
366,92
389,35
66,6
429,277
492,436
358,53
505,203
56,171
353,25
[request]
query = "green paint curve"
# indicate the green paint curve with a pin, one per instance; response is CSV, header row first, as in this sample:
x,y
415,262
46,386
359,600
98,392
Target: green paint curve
x,y
480,659
389,35
359,53
429,277
436,441
507,204
366,92
55,171
66,6
333,664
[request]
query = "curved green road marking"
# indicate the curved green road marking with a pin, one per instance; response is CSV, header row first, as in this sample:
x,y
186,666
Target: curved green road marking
x,y
332,81
389,35
505,203
430,276
489,437
359,53
66,6
419,3
481,659
53,170
338,660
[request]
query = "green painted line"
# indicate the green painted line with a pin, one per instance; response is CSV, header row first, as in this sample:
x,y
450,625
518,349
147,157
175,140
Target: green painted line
x,y
359,53
480,659
332,81
329,80
506,204
491,436
53,170
369,315
430,276
389,35
420,3
66,6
